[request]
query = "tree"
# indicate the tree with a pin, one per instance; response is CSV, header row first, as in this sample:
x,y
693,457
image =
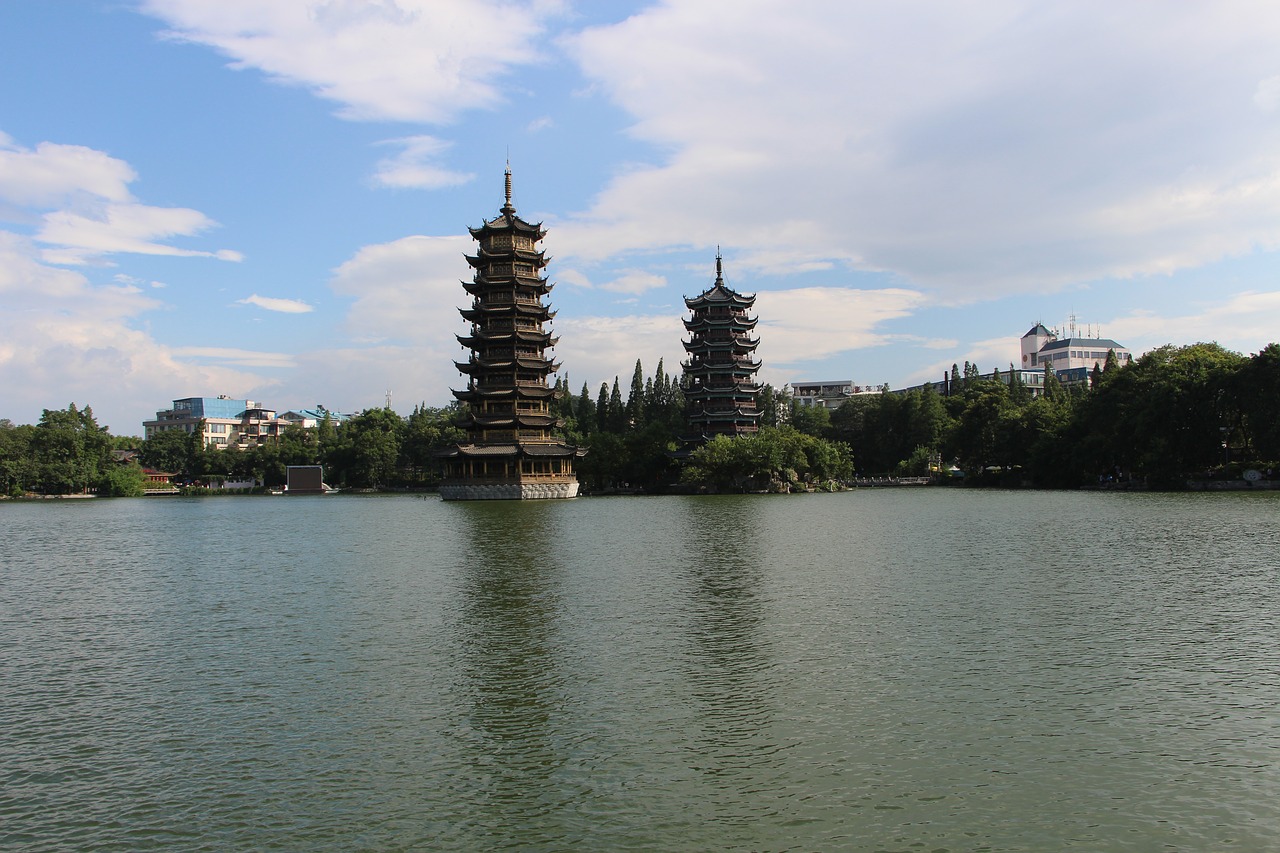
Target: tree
x,y
1257,390
635,400
812,420
168,451
17,469
585,412
617,412
375,436
122,480
70,450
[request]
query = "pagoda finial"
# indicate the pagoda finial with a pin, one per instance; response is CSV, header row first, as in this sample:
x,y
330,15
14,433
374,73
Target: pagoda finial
x,y
719,269
508,207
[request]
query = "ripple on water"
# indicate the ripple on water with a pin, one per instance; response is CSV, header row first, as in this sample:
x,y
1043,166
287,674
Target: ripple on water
x,y
873,670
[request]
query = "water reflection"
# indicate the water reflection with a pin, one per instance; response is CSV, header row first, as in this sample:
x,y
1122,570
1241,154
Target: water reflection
x,y
729,658
507,632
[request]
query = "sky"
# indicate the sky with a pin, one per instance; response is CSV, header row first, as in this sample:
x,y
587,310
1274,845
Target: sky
x,y
271,200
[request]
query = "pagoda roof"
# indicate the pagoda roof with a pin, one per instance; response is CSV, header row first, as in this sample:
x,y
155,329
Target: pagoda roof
x,y
704,321
514,449
503,283
484,337
506,220
525,392
719,293
483,259
497,309
739,344
533,256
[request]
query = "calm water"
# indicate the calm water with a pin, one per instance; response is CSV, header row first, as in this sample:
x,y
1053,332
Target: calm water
x,y
911,670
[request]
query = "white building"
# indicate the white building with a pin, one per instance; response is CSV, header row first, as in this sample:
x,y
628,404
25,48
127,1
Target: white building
x,y
1072,358
828,394
227,422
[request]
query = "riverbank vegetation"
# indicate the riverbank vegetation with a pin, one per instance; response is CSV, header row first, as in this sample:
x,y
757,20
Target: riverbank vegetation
x,y
1173,414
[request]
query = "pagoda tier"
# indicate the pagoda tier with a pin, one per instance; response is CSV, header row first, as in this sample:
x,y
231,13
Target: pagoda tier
x,y
719,377
511,449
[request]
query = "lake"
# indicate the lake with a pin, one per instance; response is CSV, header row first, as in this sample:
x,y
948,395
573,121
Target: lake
x,y
882,670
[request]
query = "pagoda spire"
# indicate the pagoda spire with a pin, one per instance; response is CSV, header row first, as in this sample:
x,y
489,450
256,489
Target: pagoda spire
x,y
719,269
508,207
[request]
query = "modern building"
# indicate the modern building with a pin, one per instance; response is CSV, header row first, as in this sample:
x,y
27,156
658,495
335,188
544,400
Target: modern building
x,y
312,418
1071,358
827,394
720,389
511,451
227,422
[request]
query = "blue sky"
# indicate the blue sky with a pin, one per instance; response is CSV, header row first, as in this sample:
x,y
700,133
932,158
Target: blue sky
x,y
270,200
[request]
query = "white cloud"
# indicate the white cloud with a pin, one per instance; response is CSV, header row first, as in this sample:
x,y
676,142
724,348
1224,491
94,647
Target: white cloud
x,y
1267,95
132,228
416,166
813,323
53,174
634,282
411,60
975,150
1243,322
283,306
407,291
596,349
237,357
59,331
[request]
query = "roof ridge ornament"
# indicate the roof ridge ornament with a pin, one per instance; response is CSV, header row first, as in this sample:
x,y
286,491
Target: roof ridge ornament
x,y
719,268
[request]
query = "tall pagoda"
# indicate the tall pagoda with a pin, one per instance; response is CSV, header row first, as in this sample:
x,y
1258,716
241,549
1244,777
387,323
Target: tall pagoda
x,y
511,452
720,386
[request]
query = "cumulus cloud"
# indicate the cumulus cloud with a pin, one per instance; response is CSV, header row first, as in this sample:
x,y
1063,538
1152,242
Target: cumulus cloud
x,y
813,323
406,291
416,165
410,60
283,306
973,150
60,331
634,282
52,175
89,209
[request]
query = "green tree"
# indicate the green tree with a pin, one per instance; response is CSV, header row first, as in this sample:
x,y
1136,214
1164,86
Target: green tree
x,y
17,463
374,438
122,480
635,416
811,420
617,412
69,449
1257,390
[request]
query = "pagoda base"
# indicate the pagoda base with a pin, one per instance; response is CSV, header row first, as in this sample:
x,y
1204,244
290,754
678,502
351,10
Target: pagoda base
x,y
508,491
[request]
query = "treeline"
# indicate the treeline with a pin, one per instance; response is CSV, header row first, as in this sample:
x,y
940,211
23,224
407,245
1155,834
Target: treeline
x,y
376,449
635,442
1174,413
67,452
640,442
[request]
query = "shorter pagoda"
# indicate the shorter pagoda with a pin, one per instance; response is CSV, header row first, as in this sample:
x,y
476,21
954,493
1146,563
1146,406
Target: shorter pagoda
x,y
511,451
719,378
